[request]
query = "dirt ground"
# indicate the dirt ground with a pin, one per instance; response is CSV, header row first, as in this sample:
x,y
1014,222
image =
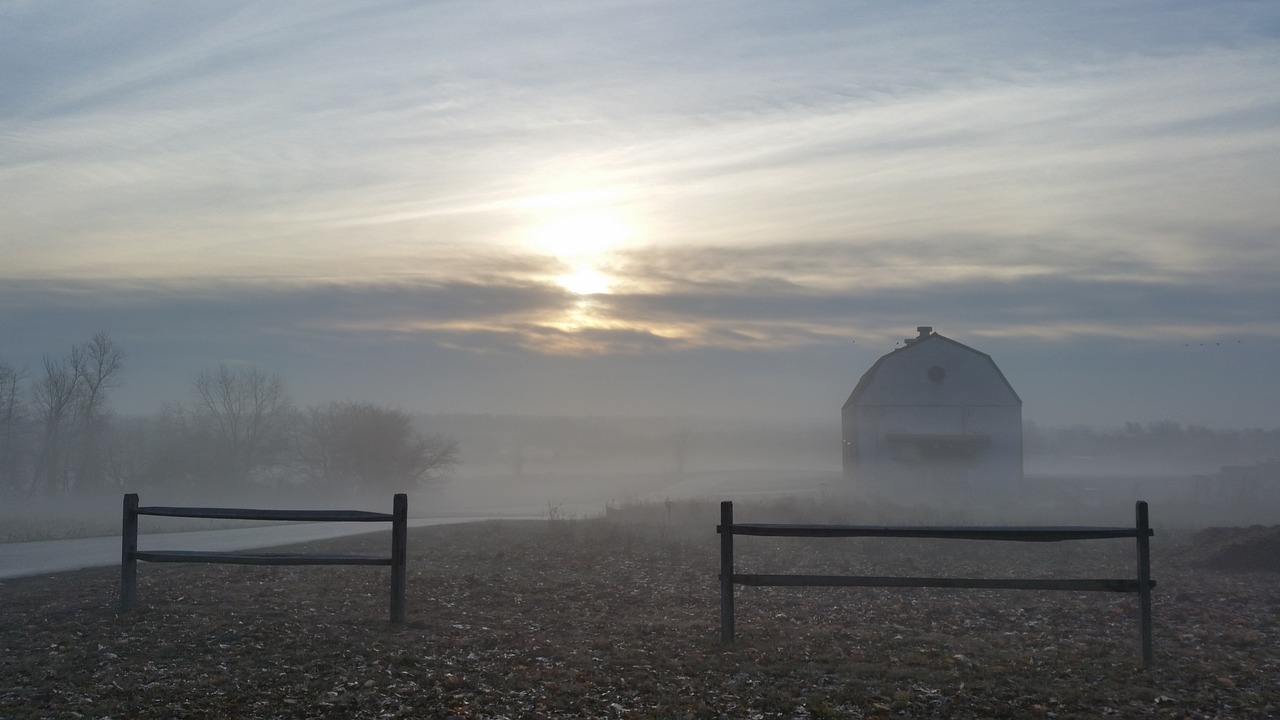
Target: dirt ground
x,y
602,618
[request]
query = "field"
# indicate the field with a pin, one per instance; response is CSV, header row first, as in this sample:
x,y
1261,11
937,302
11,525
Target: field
x,y
607,618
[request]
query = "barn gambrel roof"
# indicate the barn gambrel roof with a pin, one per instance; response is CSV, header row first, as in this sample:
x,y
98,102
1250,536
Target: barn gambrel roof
x,y
913,344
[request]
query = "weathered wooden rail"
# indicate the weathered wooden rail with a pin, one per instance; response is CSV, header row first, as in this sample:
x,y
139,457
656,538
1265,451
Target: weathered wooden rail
x,y
1141,585
130,554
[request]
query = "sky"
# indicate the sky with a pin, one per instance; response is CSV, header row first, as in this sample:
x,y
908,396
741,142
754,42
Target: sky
x,y
643,208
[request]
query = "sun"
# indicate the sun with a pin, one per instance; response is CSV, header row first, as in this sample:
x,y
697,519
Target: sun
x,y
585,281
583,241
581,234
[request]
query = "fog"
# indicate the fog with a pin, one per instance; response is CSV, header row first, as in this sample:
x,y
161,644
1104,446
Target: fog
x,y
567,467
1190,476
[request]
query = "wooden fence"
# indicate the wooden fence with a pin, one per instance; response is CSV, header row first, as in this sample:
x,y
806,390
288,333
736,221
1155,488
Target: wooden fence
x,y
1141,531
130,554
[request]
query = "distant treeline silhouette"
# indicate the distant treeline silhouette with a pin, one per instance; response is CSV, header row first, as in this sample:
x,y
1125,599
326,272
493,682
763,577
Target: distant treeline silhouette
x,y
239,429
1162,443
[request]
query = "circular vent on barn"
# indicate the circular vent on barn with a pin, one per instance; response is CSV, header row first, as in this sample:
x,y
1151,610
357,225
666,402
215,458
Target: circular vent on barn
x,y
937,374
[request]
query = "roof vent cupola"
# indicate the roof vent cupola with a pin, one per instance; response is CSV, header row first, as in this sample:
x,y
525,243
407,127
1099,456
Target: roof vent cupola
x,y
924,330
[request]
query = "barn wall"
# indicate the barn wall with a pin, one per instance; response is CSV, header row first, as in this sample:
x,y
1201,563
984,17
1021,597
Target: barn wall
x,y
972,412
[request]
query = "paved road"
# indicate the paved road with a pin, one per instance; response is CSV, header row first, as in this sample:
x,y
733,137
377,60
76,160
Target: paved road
x,y
51,556
492,499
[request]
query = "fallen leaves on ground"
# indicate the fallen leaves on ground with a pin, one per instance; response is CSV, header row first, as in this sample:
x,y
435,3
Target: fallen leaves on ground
x,y
600,619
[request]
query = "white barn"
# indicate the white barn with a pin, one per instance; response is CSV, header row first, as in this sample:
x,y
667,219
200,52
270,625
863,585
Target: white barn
x,y
933,422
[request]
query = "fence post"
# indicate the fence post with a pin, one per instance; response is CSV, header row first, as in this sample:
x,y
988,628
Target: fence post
x,y
726,571
399,553
1144,580
128,550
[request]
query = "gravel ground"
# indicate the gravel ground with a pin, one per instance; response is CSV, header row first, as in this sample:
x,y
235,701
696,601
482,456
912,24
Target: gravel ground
x,y
604,619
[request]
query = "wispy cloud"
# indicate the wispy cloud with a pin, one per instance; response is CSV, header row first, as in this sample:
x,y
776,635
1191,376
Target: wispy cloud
x,y
792,175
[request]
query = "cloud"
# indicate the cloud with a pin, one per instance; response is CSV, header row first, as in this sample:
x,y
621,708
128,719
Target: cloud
x,y
676,300
1050,289
224,136
270,181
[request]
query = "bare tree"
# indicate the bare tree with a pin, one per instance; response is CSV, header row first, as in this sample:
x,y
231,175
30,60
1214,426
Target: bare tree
x,y
95,365
248,414
12,428
53,396
69,401
128,452
168,450
360,446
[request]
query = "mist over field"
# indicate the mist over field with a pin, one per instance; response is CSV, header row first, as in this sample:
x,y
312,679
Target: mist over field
x,y
564,467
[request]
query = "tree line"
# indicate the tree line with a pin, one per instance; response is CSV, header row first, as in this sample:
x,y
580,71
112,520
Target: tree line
x,y
1170,442
239,429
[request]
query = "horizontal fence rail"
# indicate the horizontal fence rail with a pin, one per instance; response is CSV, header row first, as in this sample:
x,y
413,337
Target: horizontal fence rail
x,y
130,554
250,514
1141,532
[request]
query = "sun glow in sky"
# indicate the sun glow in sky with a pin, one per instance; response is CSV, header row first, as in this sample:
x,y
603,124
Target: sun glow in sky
x,y
586,234
583,241
744,203
585,280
